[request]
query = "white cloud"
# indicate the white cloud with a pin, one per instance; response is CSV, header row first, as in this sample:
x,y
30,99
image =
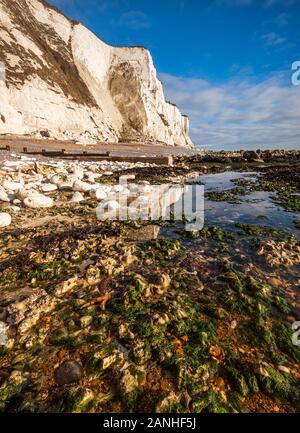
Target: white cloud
x,y
239,114
273,39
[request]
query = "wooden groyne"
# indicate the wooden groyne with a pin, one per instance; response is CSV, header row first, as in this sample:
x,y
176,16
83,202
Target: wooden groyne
x,y
94,156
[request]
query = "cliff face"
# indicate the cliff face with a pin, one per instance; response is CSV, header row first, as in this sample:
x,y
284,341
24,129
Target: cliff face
x,y
56,75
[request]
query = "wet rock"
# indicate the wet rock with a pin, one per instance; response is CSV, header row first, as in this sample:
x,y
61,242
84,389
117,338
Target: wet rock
x,y
113,357
86,321
280,253
124,332
27,312
36,201
5,219
66,286
108,361
141,353
68,372
252,156
11,387
128,382
131,379
80,399
168,401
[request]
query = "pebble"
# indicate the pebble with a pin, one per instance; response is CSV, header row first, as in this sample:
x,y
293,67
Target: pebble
x,y
15,209
111,205
68,372
3,195
48,187
283,369
85,321
5,219
77,198
99,194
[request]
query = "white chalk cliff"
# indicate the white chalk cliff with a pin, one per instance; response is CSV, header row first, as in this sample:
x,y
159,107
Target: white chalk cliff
x,y
58,78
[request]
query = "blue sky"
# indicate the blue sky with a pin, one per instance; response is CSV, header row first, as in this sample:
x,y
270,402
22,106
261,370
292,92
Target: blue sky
x,y
226,63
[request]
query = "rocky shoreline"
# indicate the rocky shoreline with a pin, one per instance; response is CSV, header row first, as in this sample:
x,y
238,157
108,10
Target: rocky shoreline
x,y
102,316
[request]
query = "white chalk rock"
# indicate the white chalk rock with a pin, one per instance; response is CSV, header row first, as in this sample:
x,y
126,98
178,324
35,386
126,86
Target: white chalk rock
x,y
12,186
3,195
15,209
65,186
105,188
111,205
38,201
118,188
48,187
77,198
55,179
24,193
81,186
90,177
77,172
5,219
98,194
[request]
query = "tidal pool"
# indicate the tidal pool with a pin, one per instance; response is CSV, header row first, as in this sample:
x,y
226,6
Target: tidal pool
x,y
256,208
